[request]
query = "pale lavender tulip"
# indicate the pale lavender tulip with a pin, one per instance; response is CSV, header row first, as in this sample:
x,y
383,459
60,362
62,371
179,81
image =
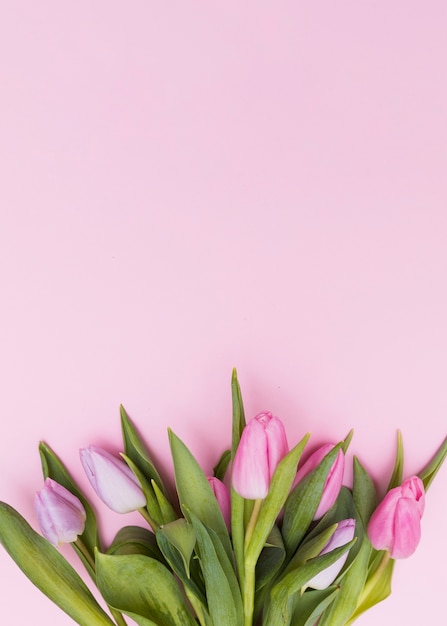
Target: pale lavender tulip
x,y
262,446
223,498
112,479
344,533
334,479
395,525
60,514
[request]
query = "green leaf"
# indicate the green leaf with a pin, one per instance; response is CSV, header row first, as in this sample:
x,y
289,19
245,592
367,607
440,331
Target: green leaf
x,y
280,486
303,501
48,570
351,583
135,540
181,535
308,607
167,511
238,413
270,559
220,469
152,505
378,592
364,492
142,588
194,491
52,467
280,607
222,589
347,441
135,449
429,472
396,476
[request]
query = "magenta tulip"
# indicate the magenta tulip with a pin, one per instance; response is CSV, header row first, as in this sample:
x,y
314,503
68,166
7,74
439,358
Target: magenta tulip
x,y
395,525
344,533
60,514
223,498
334,479
113,480
262,446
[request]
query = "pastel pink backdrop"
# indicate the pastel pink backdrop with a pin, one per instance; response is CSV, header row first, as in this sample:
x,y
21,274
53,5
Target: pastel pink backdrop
x,y
192,186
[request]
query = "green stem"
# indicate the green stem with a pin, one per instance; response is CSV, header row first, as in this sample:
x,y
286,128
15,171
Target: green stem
x,y
250,567
148,518
375,577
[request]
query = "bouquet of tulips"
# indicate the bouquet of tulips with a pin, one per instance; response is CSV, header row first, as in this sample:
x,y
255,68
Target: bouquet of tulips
x,y
285,543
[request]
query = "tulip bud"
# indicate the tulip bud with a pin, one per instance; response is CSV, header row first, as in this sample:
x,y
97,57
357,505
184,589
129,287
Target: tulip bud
x,y
334,479
262,446
223,498
60,514
113,480
395,525
344,533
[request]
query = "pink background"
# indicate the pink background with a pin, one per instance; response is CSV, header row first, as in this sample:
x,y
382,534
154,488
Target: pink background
x,y
192,186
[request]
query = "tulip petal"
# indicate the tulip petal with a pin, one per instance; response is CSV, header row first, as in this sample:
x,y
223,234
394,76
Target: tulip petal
x,y
251,477
407,529
60,514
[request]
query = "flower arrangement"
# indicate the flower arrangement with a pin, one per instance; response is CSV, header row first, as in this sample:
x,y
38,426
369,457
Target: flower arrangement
x,y
284,544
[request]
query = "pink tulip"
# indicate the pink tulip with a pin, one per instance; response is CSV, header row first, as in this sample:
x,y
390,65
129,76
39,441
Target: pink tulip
x,y
60,514
344,533
223,498
262,446
395,525
333,482
112,479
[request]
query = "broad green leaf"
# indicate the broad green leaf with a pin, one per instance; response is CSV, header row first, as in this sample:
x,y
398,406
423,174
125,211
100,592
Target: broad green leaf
x,y
396,476
364,492
303,501
181,535
377,593
135,449
280,607
308,607
222,589
429,472
168,513
270,559
142,587
52,467
351,584
135,540
220,469
48,570
238,413
280,486
194,491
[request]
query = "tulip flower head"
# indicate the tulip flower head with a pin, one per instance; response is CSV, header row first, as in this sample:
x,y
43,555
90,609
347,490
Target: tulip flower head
x,y
223,498
395,525
344,533
60,514
334,479
113,480
262,446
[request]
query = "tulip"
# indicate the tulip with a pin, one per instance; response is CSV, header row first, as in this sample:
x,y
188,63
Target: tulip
x,y
395,525
263,444
223,498
344,533
334,479
60,514
112,480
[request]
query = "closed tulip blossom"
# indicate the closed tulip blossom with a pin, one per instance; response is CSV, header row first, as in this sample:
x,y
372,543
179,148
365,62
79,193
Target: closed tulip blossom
x,y
334,479
60,514
344,533
262,446
223,498
113,480
395,525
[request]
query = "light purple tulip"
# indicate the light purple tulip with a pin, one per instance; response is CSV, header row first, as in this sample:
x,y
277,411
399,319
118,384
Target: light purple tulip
x,y
113,480
344,533
395,525
60,514
334,479
262,446
223,498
